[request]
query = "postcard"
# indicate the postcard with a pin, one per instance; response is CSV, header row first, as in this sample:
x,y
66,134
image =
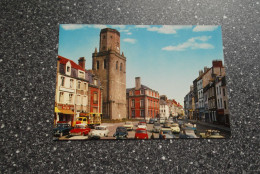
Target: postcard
x,y
140,82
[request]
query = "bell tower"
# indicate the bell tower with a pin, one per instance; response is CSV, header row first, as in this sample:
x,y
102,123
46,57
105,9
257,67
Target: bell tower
x,y
110,66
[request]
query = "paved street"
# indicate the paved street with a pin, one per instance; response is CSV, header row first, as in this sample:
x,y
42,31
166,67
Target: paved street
x,y
201,128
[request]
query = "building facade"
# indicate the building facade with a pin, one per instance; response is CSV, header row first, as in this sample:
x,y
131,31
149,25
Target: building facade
x,y
143,102
110,67
73,97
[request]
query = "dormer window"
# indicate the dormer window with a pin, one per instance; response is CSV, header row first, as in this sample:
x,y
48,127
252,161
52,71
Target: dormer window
x,y
68,69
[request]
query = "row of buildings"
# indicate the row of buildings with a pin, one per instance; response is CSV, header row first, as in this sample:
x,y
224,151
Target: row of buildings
x,y
207,99
103,88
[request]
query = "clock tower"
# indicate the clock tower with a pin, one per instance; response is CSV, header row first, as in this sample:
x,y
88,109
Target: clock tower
x,y
110,66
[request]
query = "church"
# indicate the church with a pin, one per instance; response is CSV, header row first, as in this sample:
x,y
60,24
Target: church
x,y
110,67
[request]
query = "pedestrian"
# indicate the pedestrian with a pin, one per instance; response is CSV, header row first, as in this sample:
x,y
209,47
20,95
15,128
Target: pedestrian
x,y
161,135
152,136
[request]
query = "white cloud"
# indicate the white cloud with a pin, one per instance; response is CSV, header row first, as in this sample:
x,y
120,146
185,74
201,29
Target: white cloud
x,y
118,26
129,40
200,28
129,33
192,43
142,26
72,26
99,26
165,29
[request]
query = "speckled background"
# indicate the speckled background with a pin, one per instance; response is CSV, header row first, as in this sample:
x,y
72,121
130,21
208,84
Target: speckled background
x,y
28,50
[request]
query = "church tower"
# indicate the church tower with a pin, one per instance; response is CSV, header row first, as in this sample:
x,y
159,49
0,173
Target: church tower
x,y
110,66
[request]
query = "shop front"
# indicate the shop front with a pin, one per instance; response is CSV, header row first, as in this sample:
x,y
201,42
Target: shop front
x,y
64,114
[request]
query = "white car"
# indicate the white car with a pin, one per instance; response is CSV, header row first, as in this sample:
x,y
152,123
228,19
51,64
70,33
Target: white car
x,y
175,128
142,125
129,125
98,132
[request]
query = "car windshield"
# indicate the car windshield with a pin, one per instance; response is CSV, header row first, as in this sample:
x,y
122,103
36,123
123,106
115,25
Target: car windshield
x,y
175,125
141,131
167,132
141,123
79,119
156,124
79,126
61,125
189,131
100,128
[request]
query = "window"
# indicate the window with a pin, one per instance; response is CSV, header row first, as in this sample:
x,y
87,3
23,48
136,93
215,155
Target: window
x,y
142,91
225,104
133,103
105,63
97,64
95,82
68,69
221,102
95,100
224,92
61,99
141,103
70,98
116,64
142,113
71,83
79,84
111,37
62,81
121,66
104,37
219,90
85,86
133,113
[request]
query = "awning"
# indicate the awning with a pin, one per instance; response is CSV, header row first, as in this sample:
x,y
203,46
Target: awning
x,y
63,111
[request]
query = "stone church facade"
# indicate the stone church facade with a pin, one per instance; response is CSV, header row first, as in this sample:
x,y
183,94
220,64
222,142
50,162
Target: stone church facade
x,y
110,66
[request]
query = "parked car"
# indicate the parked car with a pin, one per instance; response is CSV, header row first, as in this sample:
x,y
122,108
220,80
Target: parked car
x,y
141,133
166,133
171,120
175,128
129,125
142,125
162,120
167,124
61,129
187,133
211,134
98,132
80,129
190,126
121,133
151,121
156,127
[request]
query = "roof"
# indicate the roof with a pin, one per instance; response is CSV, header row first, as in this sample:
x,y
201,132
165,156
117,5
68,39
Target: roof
x,y
64,60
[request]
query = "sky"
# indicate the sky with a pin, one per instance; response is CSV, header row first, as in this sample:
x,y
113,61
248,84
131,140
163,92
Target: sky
x,y
166,57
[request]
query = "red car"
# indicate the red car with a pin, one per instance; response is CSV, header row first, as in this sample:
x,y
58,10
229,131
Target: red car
x,y
141,133
80,129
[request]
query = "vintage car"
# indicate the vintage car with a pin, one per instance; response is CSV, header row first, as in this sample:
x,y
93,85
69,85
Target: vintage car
x,y
151,121
98,132
141,133
190,126
211,134
121,133
61,129
162,120
142,125
80,129
129,125
156,127
167,124
187,133
171,120
175,128
166,133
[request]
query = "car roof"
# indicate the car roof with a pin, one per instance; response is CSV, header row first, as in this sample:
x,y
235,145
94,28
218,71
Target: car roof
x,y
102,126
166,129
140,129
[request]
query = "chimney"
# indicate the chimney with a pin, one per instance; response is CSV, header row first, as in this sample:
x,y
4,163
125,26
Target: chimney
x,y
200,72
217,63
82,62
205,69
137,83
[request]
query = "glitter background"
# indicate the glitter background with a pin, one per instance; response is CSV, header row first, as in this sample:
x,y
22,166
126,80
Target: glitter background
x,y
28,50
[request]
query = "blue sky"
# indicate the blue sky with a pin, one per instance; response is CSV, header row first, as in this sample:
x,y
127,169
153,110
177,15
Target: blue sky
x,y
166,57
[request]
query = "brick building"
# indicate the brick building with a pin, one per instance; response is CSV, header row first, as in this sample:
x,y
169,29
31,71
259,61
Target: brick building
x,y
142,101
110,67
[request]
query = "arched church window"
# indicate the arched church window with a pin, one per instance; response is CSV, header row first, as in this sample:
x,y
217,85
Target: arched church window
x,y
97,64
121,66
